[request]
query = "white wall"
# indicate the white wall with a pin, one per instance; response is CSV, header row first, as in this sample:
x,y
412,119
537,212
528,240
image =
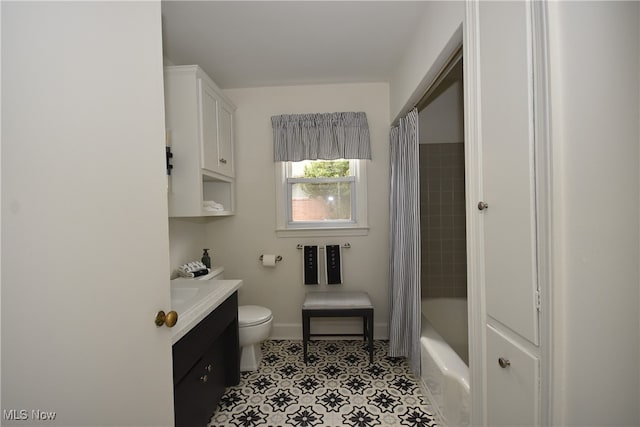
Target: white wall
x,y
238,241
84,226
442,121
595,108
422,59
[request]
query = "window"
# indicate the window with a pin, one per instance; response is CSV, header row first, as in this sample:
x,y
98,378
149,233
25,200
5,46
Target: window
x,y
321,197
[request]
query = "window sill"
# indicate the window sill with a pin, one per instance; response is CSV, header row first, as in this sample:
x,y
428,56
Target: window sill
x,y
322,232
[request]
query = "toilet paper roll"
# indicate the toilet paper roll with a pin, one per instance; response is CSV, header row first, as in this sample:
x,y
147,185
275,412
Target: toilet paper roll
x,y
269,260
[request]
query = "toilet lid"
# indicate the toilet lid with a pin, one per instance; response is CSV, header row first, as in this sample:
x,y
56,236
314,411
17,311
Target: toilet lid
x,y
250,315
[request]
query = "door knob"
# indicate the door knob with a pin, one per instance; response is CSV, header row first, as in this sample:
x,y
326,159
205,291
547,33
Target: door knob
x,y
504,363
483,205
169,319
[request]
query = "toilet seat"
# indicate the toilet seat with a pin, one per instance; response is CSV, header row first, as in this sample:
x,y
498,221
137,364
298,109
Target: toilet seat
x,y
252,315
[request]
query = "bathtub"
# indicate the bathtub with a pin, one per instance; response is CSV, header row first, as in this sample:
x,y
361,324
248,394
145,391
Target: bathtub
x,y
445,375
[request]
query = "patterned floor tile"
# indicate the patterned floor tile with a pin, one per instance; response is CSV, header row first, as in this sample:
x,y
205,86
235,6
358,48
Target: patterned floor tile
x,y
337,387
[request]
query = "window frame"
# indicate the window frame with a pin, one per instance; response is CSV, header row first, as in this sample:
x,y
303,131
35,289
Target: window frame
x,y
357,226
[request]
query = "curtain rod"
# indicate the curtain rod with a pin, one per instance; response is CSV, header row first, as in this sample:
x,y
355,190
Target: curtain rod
x,y
435,89
426,87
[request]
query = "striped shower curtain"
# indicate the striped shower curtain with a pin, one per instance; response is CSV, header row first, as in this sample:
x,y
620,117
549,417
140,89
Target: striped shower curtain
x,y
404,265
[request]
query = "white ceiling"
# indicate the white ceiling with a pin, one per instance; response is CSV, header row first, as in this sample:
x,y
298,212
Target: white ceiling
x,y
272,43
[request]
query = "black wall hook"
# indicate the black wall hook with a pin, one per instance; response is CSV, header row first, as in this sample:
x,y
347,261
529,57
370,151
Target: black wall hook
x,y
169,157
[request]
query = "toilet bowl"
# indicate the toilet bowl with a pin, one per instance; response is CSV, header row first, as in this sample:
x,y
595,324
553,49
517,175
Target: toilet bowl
x,y
254,327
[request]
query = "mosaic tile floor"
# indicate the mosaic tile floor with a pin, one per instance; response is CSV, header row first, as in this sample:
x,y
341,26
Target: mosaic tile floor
x,y
338,387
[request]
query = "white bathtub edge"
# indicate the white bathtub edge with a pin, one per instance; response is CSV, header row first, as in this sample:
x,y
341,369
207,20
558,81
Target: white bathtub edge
x,y
444,379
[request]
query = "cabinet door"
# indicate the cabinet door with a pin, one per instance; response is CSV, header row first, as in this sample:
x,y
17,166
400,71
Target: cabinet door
x,y
512,387
508,165
208,127
197,395
225,142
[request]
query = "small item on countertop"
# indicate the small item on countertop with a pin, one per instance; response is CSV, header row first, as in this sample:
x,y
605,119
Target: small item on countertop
x,y
200,272
206,260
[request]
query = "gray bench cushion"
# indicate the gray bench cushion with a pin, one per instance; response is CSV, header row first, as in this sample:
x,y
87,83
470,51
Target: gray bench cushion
x,y
336,300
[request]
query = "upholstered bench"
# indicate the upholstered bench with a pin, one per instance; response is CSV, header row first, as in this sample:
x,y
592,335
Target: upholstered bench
x,y
337,304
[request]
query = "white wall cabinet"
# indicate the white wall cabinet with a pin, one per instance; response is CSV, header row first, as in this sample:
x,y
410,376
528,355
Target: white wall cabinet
x,y
507,151
225,139
512,382
509,223
199,120
216,118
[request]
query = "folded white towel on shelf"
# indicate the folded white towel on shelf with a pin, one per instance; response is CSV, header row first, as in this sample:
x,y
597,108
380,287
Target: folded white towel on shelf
x,y
211,205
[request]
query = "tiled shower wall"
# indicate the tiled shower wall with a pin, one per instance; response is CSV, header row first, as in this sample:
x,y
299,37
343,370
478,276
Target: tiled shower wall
x,y
442,220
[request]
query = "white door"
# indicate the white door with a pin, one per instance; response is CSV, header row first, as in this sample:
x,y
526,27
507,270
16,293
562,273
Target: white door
x,y
508,166
84,216
209,127
225,143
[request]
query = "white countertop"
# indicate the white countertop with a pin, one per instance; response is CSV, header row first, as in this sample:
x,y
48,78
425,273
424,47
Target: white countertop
x,y
194,300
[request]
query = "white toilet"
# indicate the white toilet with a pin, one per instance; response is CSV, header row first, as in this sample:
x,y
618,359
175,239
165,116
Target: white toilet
x,y
255,326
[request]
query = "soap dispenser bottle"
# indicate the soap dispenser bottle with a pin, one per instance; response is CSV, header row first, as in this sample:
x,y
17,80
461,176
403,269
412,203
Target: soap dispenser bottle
x,y
206,260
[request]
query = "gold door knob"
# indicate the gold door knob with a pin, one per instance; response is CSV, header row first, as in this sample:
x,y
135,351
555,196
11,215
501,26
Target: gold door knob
x,y
170,319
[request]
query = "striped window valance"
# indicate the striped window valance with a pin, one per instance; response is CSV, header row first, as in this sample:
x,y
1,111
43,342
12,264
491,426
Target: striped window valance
x,y
326,136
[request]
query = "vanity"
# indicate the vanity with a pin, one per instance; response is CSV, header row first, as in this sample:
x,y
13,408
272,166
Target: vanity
x,y
206,353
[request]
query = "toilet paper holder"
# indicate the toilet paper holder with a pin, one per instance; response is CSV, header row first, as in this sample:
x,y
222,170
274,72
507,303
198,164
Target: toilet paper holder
x,y
278,258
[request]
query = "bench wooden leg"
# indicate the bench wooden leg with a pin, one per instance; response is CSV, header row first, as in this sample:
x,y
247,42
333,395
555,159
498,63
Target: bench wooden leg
x,y
369,331
306,328
367,327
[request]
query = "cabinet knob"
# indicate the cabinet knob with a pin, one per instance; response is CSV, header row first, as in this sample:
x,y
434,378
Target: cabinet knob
x,y
169,320
223,161
483,205
208,368
504,363
204,378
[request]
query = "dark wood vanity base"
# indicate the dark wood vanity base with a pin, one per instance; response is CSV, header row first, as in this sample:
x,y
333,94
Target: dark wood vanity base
x,y
205,361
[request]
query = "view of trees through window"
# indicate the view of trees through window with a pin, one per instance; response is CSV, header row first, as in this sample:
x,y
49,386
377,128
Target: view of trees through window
x,y
326,169
327,197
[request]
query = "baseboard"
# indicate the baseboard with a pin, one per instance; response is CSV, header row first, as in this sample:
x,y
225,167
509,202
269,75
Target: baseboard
x,y
293,331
